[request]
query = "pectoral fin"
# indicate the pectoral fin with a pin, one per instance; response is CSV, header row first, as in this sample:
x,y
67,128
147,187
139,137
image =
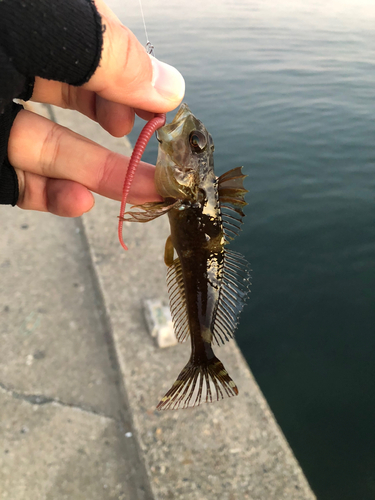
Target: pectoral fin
x,y
231,196
149,211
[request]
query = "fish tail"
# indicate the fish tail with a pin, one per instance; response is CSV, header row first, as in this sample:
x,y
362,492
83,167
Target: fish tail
x,y
199,383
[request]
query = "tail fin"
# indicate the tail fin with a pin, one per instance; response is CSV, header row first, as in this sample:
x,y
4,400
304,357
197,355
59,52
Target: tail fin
x,y
198,384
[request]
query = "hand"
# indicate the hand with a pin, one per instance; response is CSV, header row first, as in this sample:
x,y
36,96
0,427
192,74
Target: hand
x,y
57,169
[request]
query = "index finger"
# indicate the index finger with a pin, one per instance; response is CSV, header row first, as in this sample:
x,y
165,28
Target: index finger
x,y
41,147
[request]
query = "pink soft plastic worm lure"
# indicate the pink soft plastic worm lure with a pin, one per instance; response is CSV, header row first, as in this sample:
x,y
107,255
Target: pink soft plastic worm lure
x,y
150,128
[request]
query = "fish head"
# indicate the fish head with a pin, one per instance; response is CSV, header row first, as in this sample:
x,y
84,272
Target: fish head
x,y
185,157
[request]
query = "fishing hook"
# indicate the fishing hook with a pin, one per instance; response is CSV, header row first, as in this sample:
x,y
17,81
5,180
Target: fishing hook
x,y
150,49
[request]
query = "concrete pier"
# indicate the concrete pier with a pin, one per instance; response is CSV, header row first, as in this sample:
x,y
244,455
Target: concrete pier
x,y
80,376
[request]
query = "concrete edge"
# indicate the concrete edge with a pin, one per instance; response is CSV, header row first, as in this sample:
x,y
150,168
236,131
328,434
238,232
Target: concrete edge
x,y
141,479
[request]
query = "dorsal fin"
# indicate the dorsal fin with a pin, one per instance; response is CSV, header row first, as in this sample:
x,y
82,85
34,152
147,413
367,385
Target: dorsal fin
x,y
232,295
149,211
231,197
177,300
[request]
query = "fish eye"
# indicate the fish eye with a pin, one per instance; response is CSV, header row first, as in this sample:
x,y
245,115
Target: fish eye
x,y
197,140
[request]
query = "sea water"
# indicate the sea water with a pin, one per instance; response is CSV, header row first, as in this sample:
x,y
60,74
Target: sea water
x,y
287,89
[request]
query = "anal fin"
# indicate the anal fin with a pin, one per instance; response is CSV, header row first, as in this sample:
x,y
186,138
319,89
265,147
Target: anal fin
x,y
177,300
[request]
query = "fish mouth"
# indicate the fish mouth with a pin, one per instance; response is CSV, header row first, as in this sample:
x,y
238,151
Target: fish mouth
x,y
172,130
182,113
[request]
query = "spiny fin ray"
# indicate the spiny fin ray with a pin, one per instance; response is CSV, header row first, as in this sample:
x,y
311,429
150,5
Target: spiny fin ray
x,y
232,296
231,196
149,211
198,384
177,301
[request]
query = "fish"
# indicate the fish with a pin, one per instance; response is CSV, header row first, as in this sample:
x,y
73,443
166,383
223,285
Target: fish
x,y
207,283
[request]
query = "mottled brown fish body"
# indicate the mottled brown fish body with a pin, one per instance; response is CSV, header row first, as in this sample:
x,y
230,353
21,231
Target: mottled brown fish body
x,y
198,240
207,283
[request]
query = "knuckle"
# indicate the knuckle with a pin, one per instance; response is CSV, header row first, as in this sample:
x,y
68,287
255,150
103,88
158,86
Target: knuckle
x,y
106,171
50,150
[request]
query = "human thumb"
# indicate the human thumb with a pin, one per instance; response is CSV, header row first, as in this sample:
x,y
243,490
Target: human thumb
x,y
127,74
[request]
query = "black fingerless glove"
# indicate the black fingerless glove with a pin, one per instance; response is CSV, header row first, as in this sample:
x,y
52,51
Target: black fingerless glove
x,y
53,39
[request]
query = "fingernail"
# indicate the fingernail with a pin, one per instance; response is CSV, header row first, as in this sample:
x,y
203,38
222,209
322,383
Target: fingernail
x,y
167,80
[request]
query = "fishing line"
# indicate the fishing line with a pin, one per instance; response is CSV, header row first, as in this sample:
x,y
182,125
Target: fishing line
x,y
149,46
150,128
